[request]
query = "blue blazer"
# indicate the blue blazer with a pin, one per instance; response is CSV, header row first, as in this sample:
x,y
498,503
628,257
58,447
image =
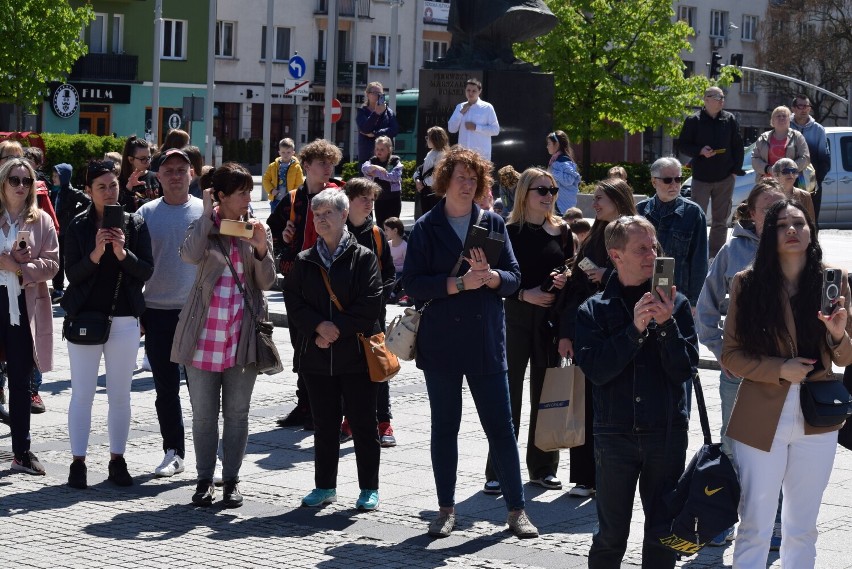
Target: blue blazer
x,y
466,332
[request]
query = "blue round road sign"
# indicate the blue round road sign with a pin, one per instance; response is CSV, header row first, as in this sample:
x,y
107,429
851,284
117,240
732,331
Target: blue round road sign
x,y
297,67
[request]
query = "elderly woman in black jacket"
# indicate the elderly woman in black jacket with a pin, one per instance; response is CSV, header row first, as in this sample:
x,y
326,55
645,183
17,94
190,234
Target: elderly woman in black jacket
x,y
328,352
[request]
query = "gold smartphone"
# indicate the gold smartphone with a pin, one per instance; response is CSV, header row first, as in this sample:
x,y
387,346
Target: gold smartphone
x,y
236,228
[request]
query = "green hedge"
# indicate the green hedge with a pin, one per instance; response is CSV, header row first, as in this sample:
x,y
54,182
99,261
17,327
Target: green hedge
x,y
77,149
352,169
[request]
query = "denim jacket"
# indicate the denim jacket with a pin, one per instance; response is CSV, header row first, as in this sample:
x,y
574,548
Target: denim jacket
x,y
638,379
683,235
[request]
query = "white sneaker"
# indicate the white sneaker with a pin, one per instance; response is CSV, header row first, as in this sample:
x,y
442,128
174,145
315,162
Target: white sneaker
x,y
217,473
146,365
172,464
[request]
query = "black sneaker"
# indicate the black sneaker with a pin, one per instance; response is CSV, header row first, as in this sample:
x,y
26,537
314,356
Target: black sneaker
x,y
77,475
118,474
205,493
296,417
231,497
28,463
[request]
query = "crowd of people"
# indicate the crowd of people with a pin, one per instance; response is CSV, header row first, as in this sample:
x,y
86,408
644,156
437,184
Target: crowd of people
x,y
148,249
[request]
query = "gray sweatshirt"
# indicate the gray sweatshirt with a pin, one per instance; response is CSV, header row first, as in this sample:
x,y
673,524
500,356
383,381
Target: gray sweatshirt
x,y
734,256
169,286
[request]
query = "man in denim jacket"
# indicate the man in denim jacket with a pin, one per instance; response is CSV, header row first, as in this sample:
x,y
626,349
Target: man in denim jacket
x,y
640,355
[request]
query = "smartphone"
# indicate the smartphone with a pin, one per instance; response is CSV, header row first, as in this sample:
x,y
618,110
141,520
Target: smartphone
x,y
547,285
830,290
587,264
113,217
23,237
236,228
663,275
381,100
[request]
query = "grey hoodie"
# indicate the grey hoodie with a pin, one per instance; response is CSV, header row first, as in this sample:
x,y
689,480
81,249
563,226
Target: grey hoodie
x,y
734,256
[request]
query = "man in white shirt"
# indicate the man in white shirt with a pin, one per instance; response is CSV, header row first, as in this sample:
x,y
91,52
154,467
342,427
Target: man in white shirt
x,y
475,120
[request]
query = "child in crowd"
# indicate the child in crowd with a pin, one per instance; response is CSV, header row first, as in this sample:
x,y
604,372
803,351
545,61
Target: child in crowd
x,y
115,158
580,228
617,172
395,232
572,214
508,177
283,174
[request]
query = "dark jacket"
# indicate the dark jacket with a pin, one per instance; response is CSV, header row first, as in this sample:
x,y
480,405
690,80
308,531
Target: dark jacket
x,y
378,124
465,332
278,219
365,236
138,265
638,379
683,235
69,201
700,130
355,280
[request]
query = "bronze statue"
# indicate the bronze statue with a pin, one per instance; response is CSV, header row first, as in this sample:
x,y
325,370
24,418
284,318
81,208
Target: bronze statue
x,y
484,31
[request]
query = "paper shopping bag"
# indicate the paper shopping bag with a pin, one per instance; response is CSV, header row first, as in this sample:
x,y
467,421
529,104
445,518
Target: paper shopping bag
x,y
562,409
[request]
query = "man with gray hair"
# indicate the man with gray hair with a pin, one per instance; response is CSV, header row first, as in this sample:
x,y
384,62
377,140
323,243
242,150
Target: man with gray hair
x,y
711,137
681,227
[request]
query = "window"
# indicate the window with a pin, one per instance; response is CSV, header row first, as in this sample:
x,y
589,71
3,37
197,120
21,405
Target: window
x,y
688,68
687,14
747,82
225,39
342,43
379,51
749,28
281,46
433,50
98,34
718,24
174,39
118,33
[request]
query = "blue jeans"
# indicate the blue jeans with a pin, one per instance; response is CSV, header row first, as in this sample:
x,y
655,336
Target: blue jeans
x,y
491,396
621,461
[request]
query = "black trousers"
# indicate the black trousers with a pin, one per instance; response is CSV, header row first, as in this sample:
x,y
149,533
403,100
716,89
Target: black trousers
x,y
59,277
583,457
17,342
359,395
160,328
390,206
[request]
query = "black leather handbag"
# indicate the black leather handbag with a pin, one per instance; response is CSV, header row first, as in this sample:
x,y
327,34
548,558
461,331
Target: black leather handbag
x,y
90,328
825,403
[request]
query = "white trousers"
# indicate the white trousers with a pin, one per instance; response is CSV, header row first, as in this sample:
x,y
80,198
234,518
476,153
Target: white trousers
x,y
801,465
119,353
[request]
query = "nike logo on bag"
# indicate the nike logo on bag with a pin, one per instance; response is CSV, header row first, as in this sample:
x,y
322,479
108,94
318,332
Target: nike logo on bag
x,y
710,492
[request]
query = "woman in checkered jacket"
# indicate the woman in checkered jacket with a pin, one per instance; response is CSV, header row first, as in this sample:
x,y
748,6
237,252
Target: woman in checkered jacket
x,y
215,336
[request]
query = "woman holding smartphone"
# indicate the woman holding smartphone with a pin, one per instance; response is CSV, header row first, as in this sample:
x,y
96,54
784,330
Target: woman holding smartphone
x,y
137,183
215,336
777,335
374,119
106,261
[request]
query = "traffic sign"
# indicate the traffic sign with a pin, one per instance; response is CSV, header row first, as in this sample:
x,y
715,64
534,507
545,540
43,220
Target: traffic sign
x,y
336,110
297,87
297,67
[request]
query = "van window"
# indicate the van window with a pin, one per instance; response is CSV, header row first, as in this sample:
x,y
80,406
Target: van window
x,y
846,152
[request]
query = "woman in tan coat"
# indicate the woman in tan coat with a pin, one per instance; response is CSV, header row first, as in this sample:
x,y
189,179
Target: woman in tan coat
x,y
780,142
775,338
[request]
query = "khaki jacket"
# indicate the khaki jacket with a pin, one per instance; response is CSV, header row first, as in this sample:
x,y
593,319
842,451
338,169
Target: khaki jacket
x,y
762,392
796,149
199,249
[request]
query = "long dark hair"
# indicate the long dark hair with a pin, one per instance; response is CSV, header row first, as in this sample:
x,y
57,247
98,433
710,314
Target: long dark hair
x,y
760,315
621,195
560,138
130,146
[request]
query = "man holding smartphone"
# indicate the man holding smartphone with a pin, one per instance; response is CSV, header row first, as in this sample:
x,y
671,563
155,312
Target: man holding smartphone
x,y
640,354
166,292
475,120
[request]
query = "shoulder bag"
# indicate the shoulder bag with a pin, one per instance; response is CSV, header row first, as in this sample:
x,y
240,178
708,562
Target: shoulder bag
x,y
266,354
91,327
382,363
825,403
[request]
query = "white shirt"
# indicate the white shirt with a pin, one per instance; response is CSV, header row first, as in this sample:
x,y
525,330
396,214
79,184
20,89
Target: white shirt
x,y
483,116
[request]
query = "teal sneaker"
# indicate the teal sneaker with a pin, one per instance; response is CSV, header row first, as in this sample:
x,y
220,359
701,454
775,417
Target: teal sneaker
x,y
368,500
319,497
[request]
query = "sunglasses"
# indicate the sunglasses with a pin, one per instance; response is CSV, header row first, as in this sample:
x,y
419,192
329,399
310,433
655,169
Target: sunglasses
x,y
544,190
670,179
15,181
715,97
789,171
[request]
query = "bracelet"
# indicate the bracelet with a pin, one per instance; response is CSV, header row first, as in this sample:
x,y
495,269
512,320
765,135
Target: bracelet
x,y
521,295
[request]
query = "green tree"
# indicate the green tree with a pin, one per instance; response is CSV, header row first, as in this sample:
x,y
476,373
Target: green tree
x,y
617,66
41,43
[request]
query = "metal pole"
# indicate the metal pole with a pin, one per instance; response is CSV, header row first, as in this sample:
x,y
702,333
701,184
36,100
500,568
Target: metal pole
x,y
849,104
394,51
799,81
267,97
155,89
353,126
330,66
211,85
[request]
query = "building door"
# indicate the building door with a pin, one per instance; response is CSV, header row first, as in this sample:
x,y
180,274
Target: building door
x,y
94,119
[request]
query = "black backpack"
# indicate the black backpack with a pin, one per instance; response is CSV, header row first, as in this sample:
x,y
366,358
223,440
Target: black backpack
x,y
704,502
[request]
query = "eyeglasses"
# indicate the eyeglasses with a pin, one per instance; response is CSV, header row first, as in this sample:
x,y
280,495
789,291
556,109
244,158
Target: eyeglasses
x,y
715,97
15,181
802,106
544,190
145,159
788,171
670,179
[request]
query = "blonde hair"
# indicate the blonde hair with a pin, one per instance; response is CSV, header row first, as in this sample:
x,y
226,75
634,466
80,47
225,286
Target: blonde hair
x,y
31,209
10,148
519,212
778,110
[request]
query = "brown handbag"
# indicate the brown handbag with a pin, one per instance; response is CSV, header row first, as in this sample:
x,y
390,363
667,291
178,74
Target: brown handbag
x,y
382,363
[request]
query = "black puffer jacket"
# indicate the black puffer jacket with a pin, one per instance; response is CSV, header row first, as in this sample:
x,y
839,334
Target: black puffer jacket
x,y
356,282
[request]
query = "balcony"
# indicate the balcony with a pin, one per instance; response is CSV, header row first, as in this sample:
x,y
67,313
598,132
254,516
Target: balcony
x,y
105,67
346,8
344,73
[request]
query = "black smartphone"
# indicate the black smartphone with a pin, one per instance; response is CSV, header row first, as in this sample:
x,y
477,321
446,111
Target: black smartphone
x,y
830,290
547,285
113,217
663,275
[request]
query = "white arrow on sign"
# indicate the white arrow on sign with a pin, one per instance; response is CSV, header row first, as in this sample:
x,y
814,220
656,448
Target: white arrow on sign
x,y
297,89
296,68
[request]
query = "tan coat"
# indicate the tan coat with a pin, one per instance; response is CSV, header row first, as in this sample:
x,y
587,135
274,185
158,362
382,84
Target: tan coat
x,y
199,249
761,395
44,264
796,149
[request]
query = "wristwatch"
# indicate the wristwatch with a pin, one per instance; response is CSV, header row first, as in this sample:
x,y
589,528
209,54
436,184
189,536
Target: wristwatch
x,y
459,284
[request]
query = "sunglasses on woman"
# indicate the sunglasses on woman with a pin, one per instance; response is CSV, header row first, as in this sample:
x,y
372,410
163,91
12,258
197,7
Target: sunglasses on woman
x,y
544,190
15,181
788,171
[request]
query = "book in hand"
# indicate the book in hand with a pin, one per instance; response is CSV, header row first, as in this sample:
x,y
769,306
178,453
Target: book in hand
x,y
489,241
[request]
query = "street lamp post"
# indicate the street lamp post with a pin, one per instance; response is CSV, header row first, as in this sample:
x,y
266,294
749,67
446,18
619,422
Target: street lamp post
x,y
394,50
267,95
155,88
330,66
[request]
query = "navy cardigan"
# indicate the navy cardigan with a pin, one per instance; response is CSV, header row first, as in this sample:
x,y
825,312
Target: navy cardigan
x,y
465,332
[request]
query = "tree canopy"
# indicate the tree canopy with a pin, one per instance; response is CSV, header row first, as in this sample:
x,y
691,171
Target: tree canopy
x,y
41,43
617,66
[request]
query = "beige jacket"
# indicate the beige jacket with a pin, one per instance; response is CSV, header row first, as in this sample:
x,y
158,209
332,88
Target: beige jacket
x,y
762,392
796,149
199,249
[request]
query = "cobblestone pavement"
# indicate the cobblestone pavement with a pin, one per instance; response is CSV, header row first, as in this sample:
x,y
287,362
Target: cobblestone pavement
x,y
46,524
